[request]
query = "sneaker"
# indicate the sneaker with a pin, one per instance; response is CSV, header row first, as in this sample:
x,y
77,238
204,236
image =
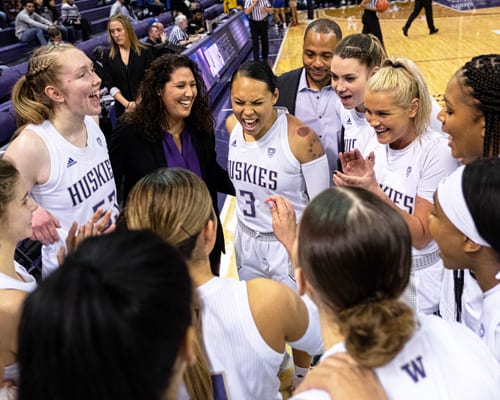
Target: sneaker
x,y
435,30
405,31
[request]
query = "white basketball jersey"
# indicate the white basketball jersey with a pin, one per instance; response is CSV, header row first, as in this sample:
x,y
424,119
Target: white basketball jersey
x,y
442,361
234,346
489,327
262,168
358,134
414,171
81,181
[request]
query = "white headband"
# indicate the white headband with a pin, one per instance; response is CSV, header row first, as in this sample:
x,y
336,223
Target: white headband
x,y
452,202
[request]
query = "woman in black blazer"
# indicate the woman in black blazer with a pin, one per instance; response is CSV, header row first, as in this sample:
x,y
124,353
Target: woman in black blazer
x,y
171,126
125,64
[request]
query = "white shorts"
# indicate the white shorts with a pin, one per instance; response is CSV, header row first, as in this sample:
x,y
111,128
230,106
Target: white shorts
x,y
424,289
262,257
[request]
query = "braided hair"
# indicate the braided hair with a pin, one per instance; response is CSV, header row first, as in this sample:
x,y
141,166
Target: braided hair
x,y
481,76
30,102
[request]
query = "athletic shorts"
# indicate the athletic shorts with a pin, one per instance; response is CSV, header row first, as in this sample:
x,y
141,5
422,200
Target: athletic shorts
x,y
279,4
258,258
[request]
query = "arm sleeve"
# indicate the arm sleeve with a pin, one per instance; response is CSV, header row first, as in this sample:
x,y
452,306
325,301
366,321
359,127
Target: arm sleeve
x,y
316,175
311,342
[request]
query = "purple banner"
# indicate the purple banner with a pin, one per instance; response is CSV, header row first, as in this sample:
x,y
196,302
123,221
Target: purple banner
x,y
468,4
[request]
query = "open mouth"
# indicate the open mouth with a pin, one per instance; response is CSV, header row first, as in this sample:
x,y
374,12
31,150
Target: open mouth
x,y
249,124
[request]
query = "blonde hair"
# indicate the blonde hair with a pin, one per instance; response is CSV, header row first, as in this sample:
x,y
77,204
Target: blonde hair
x,y
172,202
401,78
132,39
175,204
30,102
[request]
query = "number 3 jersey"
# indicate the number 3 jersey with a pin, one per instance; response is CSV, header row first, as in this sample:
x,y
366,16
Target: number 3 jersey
x,y
80,181
262,168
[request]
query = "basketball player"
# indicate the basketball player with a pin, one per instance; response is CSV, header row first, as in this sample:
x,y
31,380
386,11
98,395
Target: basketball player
x,y
414,356
405,168
270,152
61,153
466,230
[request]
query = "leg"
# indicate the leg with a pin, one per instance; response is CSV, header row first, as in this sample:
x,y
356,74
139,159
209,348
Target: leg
x,y
254,31
265,41
428,16
85,27
416,10
32,34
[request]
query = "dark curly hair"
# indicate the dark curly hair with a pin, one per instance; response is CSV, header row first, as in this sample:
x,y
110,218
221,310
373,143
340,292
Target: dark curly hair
x,y
150,113
481,75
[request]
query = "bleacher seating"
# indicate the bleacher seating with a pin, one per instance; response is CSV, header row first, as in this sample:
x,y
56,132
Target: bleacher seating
x,y
11,50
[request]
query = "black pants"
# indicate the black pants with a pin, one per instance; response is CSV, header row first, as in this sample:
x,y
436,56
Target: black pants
x,y
84,27
258,30
371,24
419,4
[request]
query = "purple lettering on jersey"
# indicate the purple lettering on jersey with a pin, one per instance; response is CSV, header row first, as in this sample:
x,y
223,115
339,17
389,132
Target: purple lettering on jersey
x,y
415,369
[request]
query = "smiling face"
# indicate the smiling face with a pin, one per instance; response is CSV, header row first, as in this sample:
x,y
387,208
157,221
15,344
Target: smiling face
x,y
449,239
118,33
463,122
178,94
394,125
16,224
252,103
317,56
349,79
79,84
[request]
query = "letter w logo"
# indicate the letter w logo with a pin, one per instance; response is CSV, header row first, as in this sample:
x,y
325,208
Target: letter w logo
x,y
415,369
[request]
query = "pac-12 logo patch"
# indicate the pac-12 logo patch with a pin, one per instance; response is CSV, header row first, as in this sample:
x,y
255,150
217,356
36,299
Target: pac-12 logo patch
x,y
408,171
271,151
99,141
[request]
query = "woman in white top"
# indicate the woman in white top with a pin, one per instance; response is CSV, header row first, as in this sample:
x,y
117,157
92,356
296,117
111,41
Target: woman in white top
x,y
405,167
464,223
245,324
16,209
61,152
353,257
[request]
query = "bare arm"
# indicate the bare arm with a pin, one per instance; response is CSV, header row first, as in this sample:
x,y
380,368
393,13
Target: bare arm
x,y
31,157
231,122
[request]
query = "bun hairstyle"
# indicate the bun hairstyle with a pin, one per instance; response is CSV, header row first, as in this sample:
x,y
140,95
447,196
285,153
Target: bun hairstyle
x,y
355,251
480,78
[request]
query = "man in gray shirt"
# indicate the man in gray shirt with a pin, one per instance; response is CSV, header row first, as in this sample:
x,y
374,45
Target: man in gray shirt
x,y
29,25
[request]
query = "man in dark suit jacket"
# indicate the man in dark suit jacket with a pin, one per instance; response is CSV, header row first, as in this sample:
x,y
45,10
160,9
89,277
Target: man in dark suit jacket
x,y
318,103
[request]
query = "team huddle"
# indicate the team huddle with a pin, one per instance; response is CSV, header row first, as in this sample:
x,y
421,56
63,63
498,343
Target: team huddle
x,y
366,233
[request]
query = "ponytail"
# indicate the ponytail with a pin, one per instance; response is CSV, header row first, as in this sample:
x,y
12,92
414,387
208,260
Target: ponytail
x,y
28,109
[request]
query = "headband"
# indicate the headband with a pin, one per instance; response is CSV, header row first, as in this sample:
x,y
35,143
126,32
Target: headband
x,y
452,202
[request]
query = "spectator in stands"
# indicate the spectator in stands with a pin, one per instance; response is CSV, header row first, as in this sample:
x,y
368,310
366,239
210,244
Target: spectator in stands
x,y
307,92
125,63
197,22
155,6
179,35
11,9
156,39
3,17
50,13
115,322
123,7
30,25
55,35
180,6
70,16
